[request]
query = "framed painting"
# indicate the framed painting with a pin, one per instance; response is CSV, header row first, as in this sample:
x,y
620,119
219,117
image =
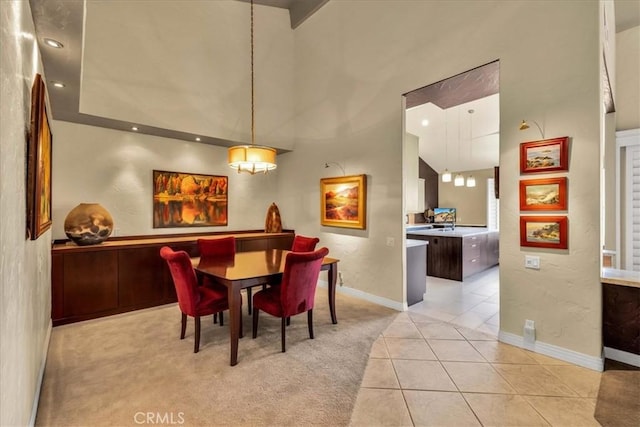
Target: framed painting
x,y
544,231
543,194
189,200
38,163
549,155
343,201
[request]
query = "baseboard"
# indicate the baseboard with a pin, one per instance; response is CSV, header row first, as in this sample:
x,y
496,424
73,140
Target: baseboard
x,y
580,359
36,397
385,302
622,356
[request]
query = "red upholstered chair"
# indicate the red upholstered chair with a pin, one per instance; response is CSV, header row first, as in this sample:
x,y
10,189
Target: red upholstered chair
x,y
222,247
193,300
296,293
304,244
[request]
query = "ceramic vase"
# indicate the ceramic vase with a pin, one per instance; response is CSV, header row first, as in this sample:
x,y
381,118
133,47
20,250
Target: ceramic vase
x,y
88,224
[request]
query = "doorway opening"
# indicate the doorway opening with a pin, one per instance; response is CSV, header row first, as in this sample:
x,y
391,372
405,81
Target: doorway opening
x,y
455,124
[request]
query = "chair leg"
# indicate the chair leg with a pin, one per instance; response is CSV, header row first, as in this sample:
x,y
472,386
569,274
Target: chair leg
x,y
215,317
288,320
196,346
241,325
255,323
221,319
249,300
183,326
282,329
310,322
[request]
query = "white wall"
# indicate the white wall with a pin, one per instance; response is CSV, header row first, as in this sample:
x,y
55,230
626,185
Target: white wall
x,y
470,202
628,83
352,65
25,265
115,169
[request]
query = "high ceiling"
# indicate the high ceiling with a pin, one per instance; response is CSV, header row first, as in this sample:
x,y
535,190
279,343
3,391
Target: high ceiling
x,y
63,20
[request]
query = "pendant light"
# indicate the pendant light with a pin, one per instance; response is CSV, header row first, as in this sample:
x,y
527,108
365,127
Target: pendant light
x,y
252,158
446,176
471,181
459,180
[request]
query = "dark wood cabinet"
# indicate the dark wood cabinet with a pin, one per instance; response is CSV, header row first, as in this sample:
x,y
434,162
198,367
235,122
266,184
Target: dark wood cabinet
x,y
621,317
444,257
128,274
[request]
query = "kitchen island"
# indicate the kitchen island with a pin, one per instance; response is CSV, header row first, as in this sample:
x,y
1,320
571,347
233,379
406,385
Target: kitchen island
x,y
457,252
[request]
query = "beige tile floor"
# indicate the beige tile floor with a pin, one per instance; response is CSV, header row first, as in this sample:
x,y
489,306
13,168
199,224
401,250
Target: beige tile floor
x,y
440,364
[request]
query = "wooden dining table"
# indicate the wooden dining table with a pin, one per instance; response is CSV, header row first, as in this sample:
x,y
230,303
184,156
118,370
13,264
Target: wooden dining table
x,y
246,269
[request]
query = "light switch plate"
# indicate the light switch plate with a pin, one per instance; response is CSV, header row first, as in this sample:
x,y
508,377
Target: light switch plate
x,y
532,262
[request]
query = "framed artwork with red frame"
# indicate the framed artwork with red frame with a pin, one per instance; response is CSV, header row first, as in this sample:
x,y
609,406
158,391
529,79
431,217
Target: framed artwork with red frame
x,y
548,155
547,194
544,231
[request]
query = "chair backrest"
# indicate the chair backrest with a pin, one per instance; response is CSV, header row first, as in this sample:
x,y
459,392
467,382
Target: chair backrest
x,y
304,244
299,280
223,247
184,279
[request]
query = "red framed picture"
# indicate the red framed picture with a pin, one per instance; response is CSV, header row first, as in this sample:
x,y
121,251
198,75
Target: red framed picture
x,y
544,231
549,155
548,194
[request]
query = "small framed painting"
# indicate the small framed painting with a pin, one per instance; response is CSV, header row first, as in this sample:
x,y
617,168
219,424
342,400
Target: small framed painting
x,y
189,200
38,164
549,155
543,194
544,231
343,201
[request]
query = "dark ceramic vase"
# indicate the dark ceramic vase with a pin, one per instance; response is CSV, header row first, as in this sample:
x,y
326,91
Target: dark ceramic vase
x,y
88,224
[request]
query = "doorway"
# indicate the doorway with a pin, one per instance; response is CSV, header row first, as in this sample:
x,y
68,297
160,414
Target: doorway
x,y
456,123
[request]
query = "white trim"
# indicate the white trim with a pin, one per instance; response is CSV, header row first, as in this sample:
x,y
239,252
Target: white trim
x,y
385,302
36,396
622,356
580,359
624,138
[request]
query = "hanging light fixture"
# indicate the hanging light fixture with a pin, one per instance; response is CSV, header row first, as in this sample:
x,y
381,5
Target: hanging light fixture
x,y
459,180
471,181
252,158
446,176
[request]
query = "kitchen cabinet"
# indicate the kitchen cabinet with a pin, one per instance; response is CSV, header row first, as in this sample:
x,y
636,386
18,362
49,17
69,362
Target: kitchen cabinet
x,y
416,270
459,253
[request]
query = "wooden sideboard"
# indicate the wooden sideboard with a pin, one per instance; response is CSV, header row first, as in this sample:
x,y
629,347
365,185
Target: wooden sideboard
x,y
126,274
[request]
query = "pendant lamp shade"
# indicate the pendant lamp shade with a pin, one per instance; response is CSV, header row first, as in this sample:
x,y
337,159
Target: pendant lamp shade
x,y
446,176
458,181
471,181
252,158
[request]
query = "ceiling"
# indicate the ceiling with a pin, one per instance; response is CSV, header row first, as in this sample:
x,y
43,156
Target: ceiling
x,y
63,20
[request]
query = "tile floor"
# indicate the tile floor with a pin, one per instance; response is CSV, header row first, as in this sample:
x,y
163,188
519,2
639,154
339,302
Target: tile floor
x,y
440,364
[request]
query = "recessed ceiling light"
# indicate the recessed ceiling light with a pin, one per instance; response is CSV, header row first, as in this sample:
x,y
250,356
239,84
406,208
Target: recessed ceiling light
x,y
198,139
58,84
134,128
53,43
425,122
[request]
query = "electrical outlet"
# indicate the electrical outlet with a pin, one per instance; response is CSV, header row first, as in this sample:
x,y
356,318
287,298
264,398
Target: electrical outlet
x,y
532,262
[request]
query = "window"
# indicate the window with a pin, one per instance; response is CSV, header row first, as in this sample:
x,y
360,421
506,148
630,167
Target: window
x,y
493,207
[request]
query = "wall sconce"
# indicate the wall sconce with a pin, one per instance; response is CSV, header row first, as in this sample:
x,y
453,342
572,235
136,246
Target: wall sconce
x,y
328,164
524,125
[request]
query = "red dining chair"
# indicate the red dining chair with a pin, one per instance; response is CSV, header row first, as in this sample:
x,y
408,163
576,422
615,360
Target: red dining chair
x,y
223,247
193,300
304,244
296,292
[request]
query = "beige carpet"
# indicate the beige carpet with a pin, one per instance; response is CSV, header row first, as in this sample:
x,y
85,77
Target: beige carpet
x,y
123,369
618,402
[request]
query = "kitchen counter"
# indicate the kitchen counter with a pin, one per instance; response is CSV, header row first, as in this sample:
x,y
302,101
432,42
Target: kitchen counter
x,y
456,232
613,276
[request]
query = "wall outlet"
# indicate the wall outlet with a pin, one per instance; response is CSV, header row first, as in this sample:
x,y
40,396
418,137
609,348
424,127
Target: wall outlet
x,y
529,332
532,262
391,241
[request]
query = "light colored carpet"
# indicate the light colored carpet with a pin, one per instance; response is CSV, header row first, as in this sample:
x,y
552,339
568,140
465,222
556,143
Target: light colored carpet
x,y
122,369
618,402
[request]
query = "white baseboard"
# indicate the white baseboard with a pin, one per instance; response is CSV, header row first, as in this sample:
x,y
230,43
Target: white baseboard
x,y
36,396
580,359
385,302
622,356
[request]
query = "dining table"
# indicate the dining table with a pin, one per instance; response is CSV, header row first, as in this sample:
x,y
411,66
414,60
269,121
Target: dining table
x,y
247,269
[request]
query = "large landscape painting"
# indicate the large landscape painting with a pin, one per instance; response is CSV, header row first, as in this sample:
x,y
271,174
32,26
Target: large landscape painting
x,y
189,200
343,201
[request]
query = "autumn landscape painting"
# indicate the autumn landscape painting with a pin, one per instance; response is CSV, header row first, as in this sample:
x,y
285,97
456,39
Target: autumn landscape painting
x,y
343,201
